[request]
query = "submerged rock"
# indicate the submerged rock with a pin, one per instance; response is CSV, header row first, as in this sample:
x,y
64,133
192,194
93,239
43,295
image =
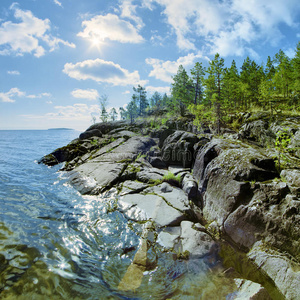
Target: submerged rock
x,y
249,290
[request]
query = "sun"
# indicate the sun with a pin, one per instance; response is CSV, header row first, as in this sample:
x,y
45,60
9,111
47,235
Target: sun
x,y
96,42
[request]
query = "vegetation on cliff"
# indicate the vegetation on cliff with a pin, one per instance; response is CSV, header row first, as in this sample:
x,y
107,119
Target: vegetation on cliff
x,y
213,95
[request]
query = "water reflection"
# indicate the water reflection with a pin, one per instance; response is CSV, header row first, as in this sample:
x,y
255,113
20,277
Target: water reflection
x,y
57,244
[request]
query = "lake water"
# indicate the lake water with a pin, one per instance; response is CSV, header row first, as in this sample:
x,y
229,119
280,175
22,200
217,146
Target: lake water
x,y
58,244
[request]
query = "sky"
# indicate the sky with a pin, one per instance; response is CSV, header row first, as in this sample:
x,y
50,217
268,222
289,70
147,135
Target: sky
x,y
58,57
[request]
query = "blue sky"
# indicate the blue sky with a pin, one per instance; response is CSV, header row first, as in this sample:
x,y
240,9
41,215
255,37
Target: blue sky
x,y
57,57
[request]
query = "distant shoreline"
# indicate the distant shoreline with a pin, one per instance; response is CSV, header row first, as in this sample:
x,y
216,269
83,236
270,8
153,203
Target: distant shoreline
x,y
60,129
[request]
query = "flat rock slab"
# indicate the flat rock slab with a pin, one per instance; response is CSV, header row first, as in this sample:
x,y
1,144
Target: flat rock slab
x,y
93,178
174,196
282,271
169,237
145,207
249,290
197,243
132,187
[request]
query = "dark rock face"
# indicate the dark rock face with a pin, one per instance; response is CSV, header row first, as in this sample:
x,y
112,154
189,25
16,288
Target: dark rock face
x,y
108,126
178,148
67,153
90,133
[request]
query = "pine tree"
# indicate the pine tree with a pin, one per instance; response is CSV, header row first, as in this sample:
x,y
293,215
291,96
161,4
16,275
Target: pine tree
x,y
113,114
231,87
132,110
181,91
198,73
296,75
283,75
103,103
123,113
214,85
140,96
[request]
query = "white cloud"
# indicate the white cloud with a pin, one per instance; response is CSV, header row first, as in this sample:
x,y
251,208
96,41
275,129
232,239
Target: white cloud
x,y
26,36
12,93
164,70
187,17
128,10
16,92
89,94
102,71
76,112
159,89
229,27
110,27
13,72
58,3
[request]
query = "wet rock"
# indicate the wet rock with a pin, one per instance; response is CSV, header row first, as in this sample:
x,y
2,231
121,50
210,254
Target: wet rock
x,y
73,150
249,290
149,207
169,237
282,271
94,178
197,243
165,205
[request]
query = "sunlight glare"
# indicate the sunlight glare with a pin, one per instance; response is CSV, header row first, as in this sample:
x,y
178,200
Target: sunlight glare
x,y
96,42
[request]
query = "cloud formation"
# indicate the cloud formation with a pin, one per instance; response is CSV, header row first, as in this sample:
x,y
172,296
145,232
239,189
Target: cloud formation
x,y
58,3
128,10
15,72
27,35
102,71
228,27
16,92
164,70
110,27
78,111
159,89
89,94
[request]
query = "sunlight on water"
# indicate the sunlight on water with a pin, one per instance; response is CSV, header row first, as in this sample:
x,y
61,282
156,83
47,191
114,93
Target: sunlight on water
x,y
57,244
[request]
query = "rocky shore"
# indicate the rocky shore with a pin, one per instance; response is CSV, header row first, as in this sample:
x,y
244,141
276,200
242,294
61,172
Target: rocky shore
x,y
201,195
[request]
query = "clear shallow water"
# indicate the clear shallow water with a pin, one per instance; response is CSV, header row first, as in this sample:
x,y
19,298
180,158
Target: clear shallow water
x,y
58,244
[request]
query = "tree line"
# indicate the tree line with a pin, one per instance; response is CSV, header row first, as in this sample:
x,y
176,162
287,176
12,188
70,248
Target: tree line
x,y
217,91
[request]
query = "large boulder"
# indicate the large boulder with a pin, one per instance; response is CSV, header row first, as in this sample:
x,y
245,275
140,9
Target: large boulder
x,y
104,168
283,272
178,148
74,149
106,127
223,170
90,133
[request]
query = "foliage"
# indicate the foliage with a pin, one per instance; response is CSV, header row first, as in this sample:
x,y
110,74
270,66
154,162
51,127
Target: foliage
x,y
113,114
172,179
103,104
214,93
140,97
283,139
132,110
